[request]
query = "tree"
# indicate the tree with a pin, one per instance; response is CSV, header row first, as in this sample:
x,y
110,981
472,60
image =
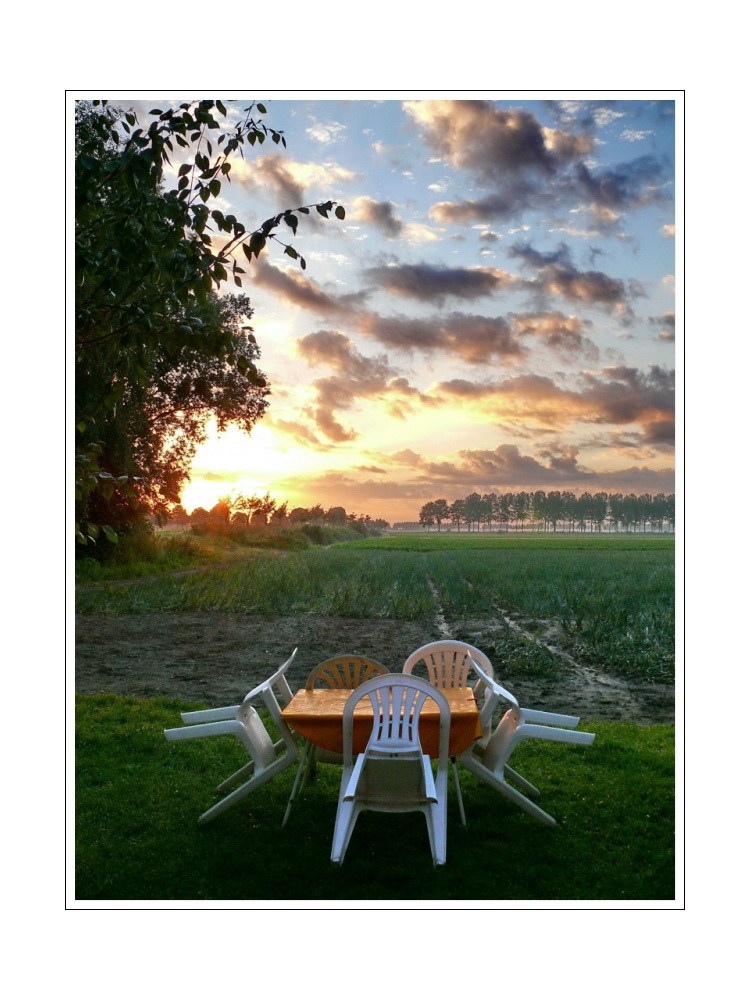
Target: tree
x,y
440,511
456,513
427,515
158,352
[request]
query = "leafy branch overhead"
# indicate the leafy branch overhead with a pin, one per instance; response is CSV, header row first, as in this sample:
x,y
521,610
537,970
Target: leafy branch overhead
x,y
158,351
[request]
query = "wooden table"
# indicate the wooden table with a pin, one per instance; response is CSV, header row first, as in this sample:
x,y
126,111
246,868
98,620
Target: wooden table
x,y
318,716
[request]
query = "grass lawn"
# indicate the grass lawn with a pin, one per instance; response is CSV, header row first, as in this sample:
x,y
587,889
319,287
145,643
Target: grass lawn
x,y
138,799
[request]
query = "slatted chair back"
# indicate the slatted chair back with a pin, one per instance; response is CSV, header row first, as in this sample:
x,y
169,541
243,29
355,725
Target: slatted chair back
x,y
345,671
397,702
447,662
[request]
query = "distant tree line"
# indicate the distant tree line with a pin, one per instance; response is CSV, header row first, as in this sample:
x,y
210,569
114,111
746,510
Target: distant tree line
x,y
557,510
254,511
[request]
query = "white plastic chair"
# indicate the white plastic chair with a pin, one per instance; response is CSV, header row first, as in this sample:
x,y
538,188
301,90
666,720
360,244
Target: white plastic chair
x,y
347,670
490,763
393,775
244,722
448,665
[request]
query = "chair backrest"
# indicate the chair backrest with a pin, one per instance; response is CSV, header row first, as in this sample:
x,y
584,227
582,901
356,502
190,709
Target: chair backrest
x,y
345,671
448,662
488,693
397,701
266,692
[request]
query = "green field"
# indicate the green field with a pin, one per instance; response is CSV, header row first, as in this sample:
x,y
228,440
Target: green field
x,y
138,799
608,600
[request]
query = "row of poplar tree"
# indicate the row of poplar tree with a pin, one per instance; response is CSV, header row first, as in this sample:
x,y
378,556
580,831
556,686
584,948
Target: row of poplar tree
x,y
553,511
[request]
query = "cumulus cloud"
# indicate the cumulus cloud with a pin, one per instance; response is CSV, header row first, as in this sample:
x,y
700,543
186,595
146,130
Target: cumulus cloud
x,y
524,164
668,230
288,180
557,275
380,214
667,324
618,395
434,283
294,288
326,132
474,339
355,377
507,468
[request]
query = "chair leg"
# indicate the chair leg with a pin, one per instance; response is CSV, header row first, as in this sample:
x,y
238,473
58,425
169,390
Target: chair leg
x,y
297,778
239,793
522,782
437,828
346,818
457,783
234,778
502,786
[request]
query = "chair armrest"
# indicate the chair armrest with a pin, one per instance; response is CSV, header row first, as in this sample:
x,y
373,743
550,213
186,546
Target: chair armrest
x,y
210,714
351,788
429,780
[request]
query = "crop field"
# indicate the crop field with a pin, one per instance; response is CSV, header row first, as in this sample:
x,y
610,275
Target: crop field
x,y
576,618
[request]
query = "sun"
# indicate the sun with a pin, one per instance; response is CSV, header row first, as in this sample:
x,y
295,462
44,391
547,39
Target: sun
x,y
235,461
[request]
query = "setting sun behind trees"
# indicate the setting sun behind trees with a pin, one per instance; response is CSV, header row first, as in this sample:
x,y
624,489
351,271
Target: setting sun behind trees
x,y
255,463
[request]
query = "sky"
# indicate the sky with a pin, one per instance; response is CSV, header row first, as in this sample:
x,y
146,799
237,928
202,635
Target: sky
x,y
495,313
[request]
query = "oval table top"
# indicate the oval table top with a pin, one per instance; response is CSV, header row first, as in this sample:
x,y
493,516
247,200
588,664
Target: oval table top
x,y
317,715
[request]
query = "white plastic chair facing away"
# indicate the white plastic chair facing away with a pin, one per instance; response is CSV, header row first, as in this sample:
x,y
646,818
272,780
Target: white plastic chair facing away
x,y
244,722
490,763
448,665
393,775
345,671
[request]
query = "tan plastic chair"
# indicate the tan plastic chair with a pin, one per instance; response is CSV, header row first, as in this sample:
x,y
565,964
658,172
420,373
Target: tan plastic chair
x,y
346,671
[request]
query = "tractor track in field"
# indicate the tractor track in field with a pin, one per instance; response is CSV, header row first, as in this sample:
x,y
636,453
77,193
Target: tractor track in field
x,y
582,689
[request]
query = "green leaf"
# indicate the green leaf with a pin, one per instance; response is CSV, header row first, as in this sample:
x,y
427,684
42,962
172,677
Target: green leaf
x,y
291,221
291,252
221,108
340,212
110,533
303,263
262,108
322,211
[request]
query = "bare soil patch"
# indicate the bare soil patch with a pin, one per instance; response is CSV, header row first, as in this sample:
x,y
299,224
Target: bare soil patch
x,y
216,657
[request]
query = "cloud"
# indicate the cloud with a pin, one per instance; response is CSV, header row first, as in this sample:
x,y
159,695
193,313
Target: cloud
x,y
380,214
668,230
562,334
293,288
635,135
474,339
433,283
288,180
556,275
355,377
326,132
618,395
524,165
667,324
506,468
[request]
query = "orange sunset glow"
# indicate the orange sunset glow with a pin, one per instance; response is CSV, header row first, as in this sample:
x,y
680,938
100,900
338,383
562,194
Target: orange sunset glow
x,y
495,312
